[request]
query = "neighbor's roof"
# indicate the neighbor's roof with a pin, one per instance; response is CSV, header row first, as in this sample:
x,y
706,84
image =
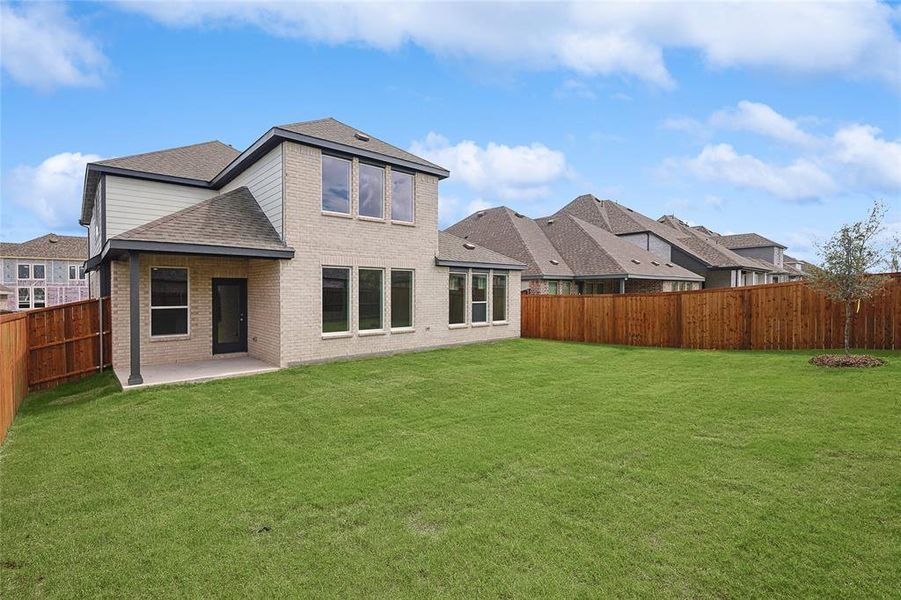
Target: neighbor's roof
x,y
514,235
745,240
233,219
199,161
622,220
592,251
333,130
213,164
47,246
455,251
703,246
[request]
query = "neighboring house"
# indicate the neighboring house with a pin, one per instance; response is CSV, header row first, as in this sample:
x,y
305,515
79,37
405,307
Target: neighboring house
x,y
45,271
753,246
565,254
802,267
317,242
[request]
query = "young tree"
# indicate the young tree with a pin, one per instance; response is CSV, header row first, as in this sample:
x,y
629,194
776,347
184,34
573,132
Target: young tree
x,y
847,263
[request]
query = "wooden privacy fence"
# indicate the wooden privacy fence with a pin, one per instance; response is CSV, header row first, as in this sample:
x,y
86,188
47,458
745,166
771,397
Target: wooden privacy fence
x,y
781,316
48,346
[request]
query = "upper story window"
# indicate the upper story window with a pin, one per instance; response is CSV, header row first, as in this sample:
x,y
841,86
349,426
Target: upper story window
x,y
76,272
168,301
23,271
38,272
372,191
401,197
335,184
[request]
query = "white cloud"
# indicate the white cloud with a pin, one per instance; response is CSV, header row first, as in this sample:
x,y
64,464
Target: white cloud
x,y
799,180
508,172
873,161
43,48
854,39
763,120
854,158
575,88
52,189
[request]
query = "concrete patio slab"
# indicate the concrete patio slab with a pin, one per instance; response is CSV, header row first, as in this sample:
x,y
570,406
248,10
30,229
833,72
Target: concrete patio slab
x,y
194,372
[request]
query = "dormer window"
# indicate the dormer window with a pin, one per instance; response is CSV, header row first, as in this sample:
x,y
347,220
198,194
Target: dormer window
x,y
335,184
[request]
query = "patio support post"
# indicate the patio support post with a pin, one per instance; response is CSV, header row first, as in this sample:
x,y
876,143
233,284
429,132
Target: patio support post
x,y
134,313
622,286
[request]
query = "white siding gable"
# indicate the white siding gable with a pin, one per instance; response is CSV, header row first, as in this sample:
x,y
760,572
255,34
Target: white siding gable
x,y
95,229
264,180
131,202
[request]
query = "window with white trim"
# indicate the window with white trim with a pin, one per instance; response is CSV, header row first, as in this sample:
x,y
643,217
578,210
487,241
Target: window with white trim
x,y
335,184
479,297
38,297
168,301
335,299
372,191
23,271
551,287
402,197
76,272
401,298
370,292
24,297
499,297
38,271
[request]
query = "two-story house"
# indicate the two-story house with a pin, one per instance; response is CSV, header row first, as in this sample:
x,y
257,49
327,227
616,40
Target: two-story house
x,y
317,242
45,271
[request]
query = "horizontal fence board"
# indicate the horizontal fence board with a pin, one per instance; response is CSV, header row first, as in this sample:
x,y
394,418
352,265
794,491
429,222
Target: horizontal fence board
x,y
781,316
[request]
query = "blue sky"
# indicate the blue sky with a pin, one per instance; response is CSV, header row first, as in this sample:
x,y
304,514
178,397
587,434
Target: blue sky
x,y
677,108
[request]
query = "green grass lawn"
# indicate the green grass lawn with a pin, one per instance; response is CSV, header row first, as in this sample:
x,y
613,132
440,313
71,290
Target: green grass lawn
x,y
523,468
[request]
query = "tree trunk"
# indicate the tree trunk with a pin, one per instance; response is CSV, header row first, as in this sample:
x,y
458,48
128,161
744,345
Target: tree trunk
x,y
848,327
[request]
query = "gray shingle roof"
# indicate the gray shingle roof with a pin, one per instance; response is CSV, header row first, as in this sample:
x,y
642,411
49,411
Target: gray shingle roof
x,y
455,249
745,240
516,236
48,246
592,251
233,219
333,130
198,161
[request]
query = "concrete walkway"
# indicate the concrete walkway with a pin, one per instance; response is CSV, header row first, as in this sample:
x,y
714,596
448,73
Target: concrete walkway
x,y
193,372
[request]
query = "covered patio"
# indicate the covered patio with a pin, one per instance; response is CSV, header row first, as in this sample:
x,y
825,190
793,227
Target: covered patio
x,y
195,372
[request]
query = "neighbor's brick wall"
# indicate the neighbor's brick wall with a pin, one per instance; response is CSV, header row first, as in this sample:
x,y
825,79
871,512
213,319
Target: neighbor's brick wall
x,y
322,240
198,344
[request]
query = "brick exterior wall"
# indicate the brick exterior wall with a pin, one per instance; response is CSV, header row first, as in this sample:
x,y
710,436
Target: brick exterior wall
x,y
326,240
262,305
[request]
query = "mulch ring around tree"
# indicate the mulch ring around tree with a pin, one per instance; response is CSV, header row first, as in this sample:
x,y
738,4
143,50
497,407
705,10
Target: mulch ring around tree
x,y
846,360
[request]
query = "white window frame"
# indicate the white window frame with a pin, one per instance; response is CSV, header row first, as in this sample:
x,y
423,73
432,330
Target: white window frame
x,y
34,296
151,308
412,197
506,294
350,294
22,264
412,325
466,310
381,329
19,302
556,285
472,303
384,171
34,274
350,192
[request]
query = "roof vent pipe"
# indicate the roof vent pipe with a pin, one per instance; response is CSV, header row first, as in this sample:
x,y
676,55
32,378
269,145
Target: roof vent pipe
x,y
469,246
361,136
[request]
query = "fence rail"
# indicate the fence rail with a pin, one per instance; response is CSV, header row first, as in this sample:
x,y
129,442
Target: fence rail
x,y
46,347
787,316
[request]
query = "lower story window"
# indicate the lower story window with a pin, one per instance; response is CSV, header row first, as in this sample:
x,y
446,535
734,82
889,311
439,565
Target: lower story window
x,y
401,298
479,297
335,300
24,297
551,287
457,298
168,301
39,298
499,298
370,299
